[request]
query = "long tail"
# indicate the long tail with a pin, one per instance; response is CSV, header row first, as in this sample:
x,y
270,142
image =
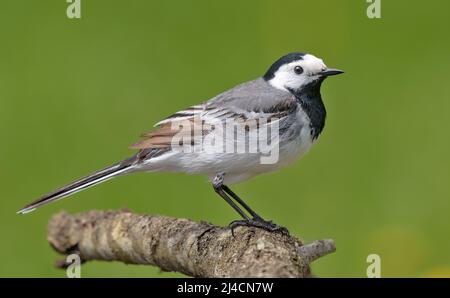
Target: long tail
x,y
80,184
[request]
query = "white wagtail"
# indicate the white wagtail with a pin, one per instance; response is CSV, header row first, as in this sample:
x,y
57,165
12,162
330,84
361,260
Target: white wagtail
x,y
289,92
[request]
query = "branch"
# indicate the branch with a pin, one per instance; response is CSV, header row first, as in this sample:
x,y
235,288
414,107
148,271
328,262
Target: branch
x,y
192,248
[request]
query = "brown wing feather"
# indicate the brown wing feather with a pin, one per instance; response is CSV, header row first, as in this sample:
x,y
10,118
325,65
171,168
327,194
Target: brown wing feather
x,y
162,136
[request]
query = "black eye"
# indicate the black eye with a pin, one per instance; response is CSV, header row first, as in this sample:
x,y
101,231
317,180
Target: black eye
x,y
298,69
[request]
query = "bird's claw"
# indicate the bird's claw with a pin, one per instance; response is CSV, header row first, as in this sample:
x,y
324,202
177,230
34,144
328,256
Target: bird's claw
x,y
258,223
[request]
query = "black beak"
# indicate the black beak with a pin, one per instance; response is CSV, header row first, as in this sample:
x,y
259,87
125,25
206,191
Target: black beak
x,y
331,72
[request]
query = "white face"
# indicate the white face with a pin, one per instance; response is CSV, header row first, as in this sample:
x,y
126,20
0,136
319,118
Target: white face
x,y
288,76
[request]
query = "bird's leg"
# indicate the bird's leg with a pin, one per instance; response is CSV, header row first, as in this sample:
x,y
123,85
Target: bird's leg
x,y
218,187
256,221
241,202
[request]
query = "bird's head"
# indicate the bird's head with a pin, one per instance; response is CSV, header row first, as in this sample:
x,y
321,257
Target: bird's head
x,y
296,70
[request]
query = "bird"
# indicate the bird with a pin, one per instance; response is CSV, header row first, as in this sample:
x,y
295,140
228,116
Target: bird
x,y
286,97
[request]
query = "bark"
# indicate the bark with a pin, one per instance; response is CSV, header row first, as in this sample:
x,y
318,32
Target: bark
x,y
172,244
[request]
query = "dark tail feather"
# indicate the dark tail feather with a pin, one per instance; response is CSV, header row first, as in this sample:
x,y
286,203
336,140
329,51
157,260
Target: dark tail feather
x,y
79,185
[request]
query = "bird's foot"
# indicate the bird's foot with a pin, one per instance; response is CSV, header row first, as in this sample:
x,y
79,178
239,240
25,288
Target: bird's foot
x,y
267,225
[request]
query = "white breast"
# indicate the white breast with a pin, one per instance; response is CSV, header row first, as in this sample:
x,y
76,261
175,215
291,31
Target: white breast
x,y
293,150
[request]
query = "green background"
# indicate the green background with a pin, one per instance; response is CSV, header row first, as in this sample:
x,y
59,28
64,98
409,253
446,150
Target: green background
x,y
75,93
